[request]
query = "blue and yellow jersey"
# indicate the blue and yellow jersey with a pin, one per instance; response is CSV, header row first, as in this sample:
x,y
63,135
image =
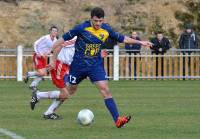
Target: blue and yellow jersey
x,y
89,41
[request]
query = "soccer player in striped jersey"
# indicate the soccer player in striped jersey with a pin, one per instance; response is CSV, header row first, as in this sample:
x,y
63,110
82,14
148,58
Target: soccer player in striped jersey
x,y
87,61
61,69
42,48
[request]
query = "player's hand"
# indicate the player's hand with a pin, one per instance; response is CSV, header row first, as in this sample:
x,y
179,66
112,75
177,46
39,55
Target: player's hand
x,y
146,43
104,53
160,49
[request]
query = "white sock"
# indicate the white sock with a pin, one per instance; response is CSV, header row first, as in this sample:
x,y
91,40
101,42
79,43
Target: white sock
x,y
48,95
32,73
36,81
55,104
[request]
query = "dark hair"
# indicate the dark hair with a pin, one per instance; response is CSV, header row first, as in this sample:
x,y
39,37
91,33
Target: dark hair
x,y
98,12
53,27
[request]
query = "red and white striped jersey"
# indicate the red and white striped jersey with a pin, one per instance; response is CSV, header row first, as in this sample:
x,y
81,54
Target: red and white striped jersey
x,y
43,45
67,52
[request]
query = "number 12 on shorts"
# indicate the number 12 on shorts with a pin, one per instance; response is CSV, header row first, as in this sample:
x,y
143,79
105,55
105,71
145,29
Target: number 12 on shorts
x,y
72,79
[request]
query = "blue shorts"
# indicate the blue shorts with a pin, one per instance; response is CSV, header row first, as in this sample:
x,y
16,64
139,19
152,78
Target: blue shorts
x,y
77,74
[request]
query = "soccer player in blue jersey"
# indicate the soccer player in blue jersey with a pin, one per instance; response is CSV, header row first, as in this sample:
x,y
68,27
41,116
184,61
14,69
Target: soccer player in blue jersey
x,y
87,61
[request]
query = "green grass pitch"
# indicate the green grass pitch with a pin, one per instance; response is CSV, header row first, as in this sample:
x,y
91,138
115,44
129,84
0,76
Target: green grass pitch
x,y
161,110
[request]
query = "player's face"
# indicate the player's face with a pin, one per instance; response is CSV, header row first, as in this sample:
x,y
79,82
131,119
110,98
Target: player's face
x,y
97,22
54,32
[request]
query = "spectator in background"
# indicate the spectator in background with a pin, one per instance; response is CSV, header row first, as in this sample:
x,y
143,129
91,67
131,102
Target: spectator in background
x,y
160,46
133,49
188,39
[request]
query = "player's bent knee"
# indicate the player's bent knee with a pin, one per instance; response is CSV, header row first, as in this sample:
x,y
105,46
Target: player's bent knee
x,y
104,89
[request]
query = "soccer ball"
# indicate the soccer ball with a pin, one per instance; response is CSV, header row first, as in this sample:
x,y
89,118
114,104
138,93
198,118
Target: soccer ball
x,y
85,117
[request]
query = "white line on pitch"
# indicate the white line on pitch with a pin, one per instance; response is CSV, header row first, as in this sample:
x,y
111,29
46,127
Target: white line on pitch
x,y
10,134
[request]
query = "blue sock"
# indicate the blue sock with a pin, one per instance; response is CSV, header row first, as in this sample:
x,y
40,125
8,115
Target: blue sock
x,y
111,106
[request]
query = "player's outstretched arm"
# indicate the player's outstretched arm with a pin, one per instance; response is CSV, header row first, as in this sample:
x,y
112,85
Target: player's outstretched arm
x,y
131,41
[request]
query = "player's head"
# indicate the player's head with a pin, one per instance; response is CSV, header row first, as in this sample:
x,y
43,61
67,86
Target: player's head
x,y
53,31
97,17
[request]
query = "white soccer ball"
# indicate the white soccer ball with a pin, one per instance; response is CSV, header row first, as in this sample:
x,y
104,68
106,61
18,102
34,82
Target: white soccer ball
x,y
85,117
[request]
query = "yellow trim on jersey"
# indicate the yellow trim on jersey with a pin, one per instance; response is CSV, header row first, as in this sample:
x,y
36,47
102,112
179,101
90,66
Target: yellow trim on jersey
x,y
101,34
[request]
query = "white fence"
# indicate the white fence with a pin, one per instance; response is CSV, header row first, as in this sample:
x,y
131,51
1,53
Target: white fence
x,y
14,63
